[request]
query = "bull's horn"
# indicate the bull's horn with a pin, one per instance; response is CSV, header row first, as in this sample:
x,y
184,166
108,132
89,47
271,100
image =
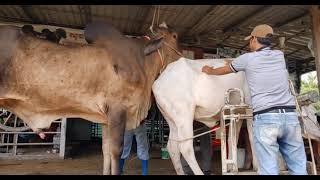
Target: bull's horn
x,y
164,25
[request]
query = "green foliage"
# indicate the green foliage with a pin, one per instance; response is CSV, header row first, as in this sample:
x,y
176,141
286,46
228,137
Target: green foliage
x,y
310,84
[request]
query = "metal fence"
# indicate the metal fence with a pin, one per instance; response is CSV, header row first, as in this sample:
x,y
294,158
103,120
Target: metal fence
x,y
27,144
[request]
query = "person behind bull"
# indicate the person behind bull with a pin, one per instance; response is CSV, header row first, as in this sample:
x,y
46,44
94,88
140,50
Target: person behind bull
x,y
142,147
276,125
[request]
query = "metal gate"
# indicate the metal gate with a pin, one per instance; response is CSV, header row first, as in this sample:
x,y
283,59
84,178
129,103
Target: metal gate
x,y
18,141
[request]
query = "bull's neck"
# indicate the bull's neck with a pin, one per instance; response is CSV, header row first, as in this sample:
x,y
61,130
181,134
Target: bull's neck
x,y
154,65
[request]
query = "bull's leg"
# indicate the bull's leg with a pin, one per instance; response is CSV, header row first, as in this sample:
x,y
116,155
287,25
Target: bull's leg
x,y
186,146
173,149
106,150
173,146
183,121
113,142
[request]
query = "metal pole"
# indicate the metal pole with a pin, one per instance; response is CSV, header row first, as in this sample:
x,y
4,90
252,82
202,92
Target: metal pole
x,y
63,131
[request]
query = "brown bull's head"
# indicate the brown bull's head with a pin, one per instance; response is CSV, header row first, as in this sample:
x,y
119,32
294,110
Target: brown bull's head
x,y
166,40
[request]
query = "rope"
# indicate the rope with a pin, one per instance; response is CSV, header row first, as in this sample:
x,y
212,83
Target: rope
x,y
179,53
162,61
158,15
162,58
151,27
198,135
157,9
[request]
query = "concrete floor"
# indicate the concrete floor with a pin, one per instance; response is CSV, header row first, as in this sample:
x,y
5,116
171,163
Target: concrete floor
x,y
87,160
90,165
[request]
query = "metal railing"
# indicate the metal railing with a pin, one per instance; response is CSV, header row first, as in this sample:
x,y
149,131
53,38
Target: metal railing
x,y
11,142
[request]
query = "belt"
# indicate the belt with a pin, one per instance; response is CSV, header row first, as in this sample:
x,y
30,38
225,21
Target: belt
x,y
276,110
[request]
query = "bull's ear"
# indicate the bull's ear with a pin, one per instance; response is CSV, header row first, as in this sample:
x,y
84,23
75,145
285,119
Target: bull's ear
x,y
153,46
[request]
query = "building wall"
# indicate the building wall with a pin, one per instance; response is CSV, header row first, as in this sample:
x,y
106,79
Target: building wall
x,y
78,129
198,52
74,36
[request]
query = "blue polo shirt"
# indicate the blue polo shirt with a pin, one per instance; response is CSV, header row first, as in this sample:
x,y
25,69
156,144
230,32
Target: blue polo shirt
x,y
267,78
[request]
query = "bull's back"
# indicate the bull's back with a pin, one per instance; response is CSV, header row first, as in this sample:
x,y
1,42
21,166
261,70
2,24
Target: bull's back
x,y
177,80
54,74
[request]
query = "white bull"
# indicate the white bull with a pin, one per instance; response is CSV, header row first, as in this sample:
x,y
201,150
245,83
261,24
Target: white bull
x,y
183,94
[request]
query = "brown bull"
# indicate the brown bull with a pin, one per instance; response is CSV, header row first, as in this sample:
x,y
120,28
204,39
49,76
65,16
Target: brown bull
x,y
107,82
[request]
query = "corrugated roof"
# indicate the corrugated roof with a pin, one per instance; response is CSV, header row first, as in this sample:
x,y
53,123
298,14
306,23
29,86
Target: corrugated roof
x,y
212,24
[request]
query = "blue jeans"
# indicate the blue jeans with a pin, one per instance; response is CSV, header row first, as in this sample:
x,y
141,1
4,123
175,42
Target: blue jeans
x,y
279,131
142,142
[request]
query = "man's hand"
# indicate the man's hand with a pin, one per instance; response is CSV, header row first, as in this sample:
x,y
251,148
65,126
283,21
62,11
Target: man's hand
x,y
207,69
217,71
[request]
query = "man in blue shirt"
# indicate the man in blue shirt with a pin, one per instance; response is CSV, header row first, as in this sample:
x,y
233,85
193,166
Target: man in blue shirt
x,y
276,125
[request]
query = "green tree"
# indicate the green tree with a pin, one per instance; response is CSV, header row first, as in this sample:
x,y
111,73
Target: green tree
x,y
310,84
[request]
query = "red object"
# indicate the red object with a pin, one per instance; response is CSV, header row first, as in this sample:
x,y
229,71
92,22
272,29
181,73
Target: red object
x,y
217,142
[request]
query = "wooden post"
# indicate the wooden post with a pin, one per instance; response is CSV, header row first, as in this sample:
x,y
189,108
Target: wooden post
x,y
315,19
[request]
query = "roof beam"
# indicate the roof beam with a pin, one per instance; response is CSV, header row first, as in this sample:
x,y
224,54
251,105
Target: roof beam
x,y
287,38
147,13
234,27
243,47
18,20
228,30
290,20
201,20
295,51
246,18
296,46
290,37
14,19
27,9
85,14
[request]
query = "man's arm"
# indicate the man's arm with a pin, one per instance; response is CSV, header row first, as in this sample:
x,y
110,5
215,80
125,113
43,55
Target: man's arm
x,y
238,64
217,71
